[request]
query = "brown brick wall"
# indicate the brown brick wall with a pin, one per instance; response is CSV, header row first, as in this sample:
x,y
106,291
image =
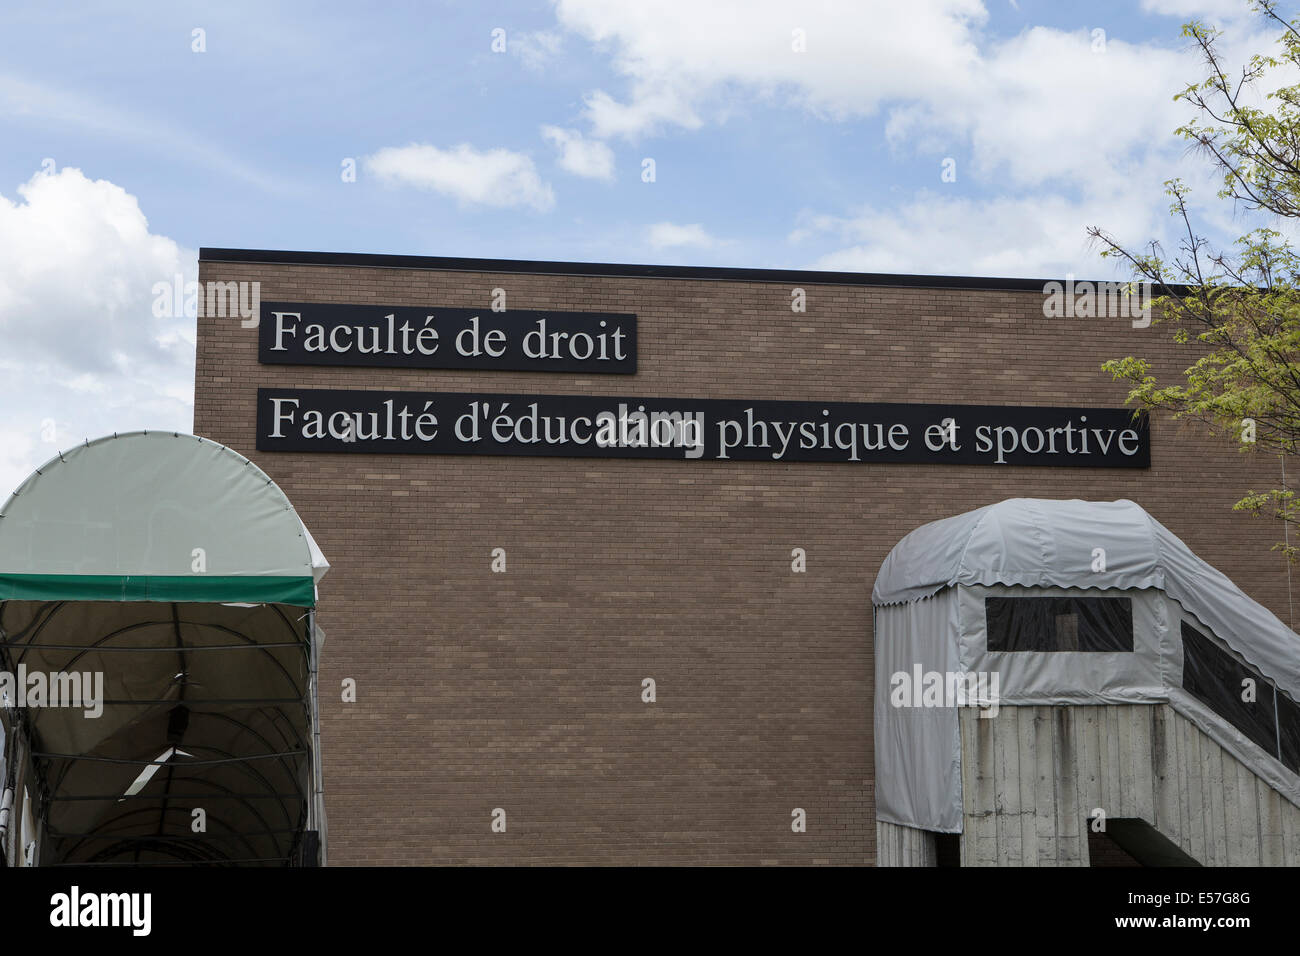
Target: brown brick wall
x,y
522,691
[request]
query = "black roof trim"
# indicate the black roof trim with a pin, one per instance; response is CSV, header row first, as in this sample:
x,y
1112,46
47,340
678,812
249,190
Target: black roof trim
x,y
537,267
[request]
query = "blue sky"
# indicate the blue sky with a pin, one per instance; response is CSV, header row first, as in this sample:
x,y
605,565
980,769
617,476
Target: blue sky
x,y
126,150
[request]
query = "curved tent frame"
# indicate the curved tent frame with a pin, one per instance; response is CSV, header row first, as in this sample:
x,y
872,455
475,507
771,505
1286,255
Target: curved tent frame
x,y
165,586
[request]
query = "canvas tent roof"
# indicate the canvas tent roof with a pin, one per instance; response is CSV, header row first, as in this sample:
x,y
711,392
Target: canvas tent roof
x,y
178,570
1037,542
155,516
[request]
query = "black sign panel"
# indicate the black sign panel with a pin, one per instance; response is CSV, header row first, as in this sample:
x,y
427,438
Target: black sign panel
x,y
587,426
304,333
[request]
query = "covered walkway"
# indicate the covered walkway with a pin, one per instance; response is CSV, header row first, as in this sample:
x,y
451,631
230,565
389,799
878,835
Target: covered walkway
x,y
161,589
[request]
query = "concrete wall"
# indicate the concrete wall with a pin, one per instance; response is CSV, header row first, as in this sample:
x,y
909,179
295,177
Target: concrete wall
x,y
1032,776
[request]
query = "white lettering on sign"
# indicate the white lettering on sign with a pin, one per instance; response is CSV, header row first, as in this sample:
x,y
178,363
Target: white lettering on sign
x,y
325,334
717,429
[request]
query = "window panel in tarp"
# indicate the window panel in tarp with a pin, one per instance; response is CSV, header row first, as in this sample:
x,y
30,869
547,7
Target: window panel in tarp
x,y
1218,680
1069,623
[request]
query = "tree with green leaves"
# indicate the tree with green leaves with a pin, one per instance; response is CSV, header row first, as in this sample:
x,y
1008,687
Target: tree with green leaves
x,y
1238,309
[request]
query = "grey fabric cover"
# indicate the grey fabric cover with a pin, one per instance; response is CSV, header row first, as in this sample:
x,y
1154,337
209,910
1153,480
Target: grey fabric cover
x,y
918,749
929,602
1038,542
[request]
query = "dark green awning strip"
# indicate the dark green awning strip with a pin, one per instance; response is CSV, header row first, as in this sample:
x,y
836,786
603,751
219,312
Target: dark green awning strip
x,y
202,588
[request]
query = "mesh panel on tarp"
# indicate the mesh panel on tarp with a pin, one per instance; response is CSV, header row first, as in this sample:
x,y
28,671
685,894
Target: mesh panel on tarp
x,y
1214,677
1089,624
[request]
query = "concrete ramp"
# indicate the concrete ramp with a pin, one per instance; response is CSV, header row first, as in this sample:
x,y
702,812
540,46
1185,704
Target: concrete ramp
x,y
1034,779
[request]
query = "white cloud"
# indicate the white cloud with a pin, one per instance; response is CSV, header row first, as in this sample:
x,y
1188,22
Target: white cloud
x,y
664,235
535,50
493,177
1088,127
648,110
582,157
1036,236
680,57
84,354
1225,9
1044,104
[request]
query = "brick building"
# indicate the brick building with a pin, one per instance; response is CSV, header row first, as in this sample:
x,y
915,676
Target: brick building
x,y
522,690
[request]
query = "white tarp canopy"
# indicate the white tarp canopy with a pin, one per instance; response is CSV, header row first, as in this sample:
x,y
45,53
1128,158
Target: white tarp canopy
x,y
930,616
155,516
176,569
